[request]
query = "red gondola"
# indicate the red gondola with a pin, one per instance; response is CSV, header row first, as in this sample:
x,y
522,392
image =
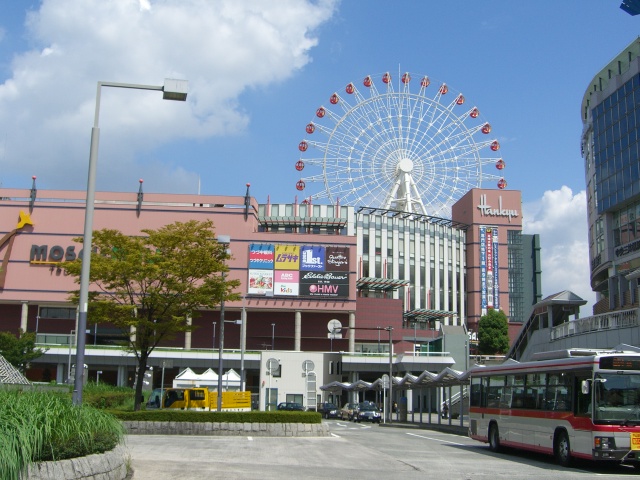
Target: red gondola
x,y
334,99
299,165
406,78
495,146
444,89
310,128
460,99
500,164
425,82
386,78
350,88
300,185
302,146
367,81
502,184
474,112
486,129
320,112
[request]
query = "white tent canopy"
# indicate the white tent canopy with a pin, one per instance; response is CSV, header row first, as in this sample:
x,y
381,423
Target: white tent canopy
x,y
188,378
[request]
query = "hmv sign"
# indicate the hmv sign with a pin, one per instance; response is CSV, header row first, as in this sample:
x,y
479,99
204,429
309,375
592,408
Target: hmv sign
x,y
324,284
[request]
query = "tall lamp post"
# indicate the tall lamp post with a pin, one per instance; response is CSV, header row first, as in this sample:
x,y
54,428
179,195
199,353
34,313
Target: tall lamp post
x,y
226,240
273,334
172,90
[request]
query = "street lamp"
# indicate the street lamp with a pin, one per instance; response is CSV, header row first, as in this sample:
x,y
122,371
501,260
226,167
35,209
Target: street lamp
x,y
226,240
171,90
243,344
273,334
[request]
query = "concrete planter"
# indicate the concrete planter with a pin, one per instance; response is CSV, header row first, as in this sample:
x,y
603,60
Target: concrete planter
x,y
228,429
106,466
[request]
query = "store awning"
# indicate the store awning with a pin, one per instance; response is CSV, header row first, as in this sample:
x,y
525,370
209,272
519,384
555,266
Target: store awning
x,y
426,315
293,221
380,284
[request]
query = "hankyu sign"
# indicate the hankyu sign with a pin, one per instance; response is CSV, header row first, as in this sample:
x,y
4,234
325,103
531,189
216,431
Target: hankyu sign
x,y
487,210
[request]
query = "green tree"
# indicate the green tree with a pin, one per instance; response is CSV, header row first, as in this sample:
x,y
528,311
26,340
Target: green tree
x,y
20,350
150,285
493,333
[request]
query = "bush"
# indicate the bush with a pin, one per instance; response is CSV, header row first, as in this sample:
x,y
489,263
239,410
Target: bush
x,y
175,415
41,426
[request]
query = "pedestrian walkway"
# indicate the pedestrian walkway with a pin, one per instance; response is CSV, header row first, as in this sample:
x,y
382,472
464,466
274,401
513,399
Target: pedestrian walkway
x,y
431,422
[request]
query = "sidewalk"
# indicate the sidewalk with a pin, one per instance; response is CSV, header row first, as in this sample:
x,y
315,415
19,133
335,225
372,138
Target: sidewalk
x,y
431,422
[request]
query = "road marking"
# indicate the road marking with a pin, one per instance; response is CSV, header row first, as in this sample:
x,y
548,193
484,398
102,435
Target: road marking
x,y
334,435
250,439
437,440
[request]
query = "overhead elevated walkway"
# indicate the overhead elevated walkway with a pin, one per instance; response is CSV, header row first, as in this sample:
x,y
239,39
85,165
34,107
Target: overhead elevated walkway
x,y
555,324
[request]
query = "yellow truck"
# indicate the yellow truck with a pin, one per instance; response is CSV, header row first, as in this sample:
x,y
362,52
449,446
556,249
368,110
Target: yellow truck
x,y
203,399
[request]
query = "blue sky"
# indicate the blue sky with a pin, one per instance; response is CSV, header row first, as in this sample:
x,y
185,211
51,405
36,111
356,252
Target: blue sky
x,y
257,72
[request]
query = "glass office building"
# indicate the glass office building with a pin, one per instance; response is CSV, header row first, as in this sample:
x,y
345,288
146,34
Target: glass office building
x,y
611,152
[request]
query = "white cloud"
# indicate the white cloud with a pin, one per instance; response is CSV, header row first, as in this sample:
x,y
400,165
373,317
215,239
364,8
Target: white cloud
x,y
560,217
222,47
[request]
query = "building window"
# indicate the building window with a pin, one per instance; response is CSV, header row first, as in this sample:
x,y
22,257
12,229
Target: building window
x,y
57,313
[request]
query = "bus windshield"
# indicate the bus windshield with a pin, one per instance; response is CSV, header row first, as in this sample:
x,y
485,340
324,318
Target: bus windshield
x,y
616,399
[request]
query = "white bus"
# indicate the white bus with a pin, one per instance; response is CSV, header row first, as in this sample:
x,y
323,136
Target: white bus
x,y
572,403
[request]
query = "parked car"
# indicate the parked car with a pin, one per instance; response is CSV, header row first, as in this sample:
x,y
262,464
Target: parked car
x,y
349,411
328,410
291,406
154,399
368,412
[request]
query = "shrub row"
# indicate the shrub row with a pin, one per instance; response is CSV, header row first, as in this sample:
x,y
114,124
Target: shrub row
x,y
170,415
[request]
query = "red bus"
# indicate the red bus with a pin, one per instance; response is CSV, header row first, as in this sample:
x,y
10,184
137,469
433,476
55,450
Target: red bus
x,y
572,403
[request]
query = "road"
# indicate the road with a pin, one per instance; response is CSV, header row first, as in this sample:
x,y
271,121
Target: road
x,y
353,451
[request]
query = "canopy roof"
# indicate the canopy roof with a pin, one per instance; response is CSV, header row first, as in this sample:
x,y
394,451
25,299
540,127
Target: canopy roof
x,y
426,315
381,284
10,374
446,378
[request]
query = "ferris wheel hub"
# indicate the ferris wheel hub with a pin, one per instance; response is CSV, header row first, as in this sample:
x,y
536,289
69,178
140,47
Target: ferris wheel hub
x,y
405,165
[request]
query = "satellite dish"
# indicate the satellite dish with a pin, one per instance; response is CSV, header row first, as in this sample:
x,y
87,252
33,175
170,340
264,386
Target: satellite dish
x,y
272,364
334,325
308,366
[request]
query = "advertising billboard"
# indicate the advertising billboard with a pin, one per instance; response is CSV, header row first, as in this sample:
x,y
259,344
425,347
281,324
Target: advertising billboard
x,y
489,268
299,270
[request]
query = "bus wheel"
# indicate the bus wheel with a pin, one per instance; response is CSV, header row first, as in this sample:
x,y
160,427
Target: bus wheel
x,y
562,449
494,438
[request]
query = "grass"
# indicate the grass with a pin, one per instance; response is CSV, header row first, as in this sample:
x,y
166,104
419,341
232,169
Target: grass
x,y
42,426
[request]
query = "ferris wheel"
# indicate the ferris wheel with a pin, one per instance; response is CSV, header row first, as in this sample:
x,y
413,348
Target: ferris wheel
x,y
413,151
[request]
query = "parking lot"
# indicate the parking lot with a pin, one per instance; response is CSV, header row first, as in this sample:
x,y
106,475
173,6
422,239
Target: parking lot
x,y
354,450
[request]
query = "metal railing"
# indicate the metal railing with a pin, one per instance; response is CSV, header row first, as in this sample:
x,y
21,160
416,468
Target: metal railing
x,y
596,323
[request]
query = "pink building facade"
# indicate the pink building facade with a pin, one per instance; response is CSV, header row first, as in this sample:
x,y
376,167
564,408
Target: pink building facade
x,y
490,215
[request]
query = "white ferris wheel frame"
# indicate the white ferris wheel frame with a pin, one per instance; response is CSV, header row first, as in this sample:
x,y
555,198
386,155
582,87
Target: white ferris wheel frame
x,y
398,150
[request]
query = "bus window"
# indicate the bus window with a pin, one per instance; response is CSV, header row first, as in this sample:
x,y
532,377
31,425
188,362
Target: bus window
x,y
518,394
495,391
506,397
558,394
476,392
536,385
583,400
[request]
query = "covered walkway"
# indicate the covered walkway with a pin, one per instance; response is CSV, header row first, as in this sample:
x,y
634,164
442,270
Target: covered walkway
x,y
426,415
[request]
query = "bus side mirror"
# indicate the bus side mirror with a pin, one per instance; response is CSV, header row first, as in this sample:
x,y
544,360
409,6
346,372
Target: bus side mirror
x,y
585,386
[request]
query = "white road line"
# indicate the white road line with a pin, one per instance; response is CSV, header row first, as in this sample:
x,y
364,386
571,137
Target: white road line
x,y
250,439
437,439
334,435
